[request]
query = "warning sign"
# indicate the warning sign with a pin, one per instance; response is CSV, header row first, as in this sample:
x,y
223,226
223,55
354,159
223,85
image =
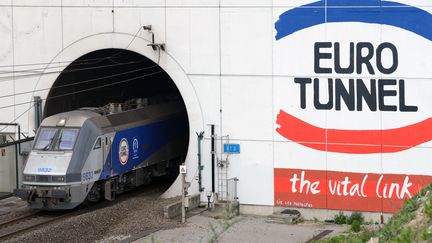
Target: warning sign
x,y
182,169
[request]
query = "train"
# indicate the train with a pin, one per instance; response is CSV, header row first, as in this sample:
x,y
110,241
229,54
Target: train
x,y
93,154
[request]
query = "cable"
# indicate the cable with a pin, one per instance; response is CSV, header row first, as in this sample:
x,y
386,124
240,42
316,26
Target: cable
x,y
71,93
16,118
111,58
130,43
41,69
46,63
8,78
72,62
85,90
77,83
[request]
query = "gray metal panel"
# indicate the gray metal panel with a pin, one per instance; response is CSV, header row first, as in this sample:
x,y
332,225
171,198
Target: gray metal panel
x,y
103,123
84,144
145,115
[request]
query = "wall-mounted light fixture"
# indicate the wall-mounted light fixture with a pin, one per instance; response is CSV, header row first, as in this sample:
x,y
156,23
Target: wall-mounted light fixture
x,y
154,46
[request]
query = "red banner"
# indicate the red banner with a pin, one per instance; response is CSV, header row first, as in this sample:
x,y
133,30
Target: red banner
x,y
344,190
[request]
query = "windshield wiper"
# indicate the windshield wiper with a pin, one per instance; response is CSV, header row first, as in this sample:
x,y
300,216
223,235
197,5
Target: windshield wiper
x,y
48,145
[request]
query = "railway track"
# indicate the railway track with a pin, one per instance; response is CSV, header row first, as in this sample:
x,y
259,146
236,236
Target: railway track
x,y
25,223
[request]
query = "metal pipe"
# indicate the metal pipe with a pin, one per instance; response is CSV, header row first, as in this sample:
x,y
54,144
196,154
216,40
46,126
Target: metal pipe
x,y
19,139
183,209
8,124
16,166
213,156
200,136
38,111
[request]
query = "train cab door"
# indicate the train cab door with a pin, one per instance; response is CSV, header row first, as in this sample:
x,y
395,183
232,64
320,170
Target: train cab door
x,y
106,152
98,148
109,187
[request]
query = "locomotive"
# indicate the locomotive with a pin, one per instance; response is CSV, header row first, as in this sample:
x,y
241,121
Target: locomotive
x,y
91,154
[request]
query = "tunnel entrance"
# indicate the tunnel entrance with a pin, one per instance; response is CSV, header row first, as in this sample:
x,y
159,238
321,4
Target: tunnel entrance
x,y
111,76
108,75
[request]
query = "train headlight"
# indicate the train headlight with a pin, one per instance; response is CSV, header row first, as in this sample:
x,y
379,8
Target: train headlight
x,y
29,178
61,122
58,179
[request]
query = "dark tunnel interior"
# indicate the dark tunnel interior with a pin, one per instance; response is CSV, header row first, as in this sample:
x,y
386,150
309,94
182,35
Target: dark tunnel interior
x,y
108,75
111,76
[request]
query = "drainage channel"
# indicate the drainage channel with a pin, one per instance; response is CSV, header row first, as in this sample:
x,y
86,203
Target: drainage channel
x,y
319,236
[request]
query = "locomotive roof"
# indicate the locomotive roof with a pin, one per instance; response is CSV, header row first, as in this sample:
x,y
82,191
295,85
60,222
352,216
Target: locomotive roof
x,y
74,118
118,121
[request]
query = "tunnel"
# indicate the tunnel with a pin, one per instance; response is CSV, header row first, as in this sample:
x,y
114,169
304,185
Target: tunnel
x,y
110,76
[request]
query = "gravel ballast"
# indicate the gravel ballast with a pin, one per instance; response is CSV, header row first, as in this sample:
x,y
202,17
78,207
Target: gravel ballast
x,y
132,214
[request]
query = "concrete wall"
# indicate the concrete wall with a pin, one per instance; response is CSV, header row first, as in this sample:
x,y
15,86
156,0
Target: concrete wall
x,y
233,72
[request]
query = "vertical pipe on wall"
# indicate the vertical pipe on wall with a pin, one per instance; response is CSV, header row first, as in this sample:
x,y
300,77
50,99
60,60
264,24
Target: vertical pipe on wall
x,y
213,156
38,111
16,166
200,136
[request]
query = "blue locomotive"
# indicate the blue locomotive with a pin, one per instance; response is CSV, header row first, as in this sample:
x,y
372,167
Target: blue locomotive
x,y
91,154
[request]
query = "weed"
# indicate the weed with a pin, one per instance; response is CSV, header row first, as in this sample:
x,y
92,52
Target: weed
x,y
151,240
229,218
355,216
397,229
426,234
213,234
428,208
405,236
355,225
340,218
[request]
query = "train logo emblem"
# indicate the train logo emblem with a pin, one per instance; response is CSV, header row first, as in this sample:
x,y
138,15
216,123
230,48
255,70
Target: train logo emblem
x,y
124,151
135,148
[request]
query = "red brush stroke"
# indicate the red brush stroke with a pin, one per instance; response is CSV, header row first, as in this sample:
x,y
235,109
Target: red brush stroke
x,y
353,141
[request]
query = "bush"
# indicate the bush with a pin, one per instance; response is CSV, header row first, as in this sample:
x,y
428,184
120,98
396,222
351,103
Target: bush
x,y
355,225
340,218
428,208
405,236
355,216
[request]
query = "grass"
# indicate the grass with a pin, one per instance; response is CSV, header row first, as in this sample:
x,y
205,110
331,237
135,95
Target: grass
x,y
229,218
413,223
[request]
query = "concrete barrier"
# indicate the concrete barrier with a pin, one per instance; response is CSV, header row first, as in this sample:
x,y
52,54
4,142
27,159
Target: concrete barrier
x,y
174,209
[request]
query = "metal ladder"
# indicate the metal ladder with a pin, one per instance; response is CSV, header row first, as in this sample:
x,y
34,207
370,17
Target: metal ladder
x,y
222,167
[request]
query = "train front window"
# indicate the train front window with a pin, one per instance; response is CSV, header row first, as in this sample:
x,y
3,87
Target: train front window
x,y
67,138
45,138
55,139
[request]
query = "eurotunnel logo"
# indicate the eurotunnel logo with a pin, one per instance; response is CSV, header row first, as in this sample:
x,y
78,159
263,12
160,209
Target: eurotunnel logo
x,y
123,151
363,57
135,146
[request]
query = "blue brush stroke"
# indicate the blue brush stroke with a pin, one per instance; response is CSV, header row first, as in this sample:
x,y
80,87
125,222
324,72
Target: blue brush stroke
x,y
395,14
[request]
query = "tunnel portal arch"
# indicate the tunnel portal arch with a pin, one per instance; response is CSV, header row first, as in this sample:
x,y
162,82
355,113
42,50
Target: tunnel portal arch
x,y
142,56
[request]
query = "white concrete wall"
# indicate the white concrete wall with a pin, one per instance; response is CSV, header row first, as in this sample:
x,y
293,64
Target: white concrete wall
x,y
224,58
